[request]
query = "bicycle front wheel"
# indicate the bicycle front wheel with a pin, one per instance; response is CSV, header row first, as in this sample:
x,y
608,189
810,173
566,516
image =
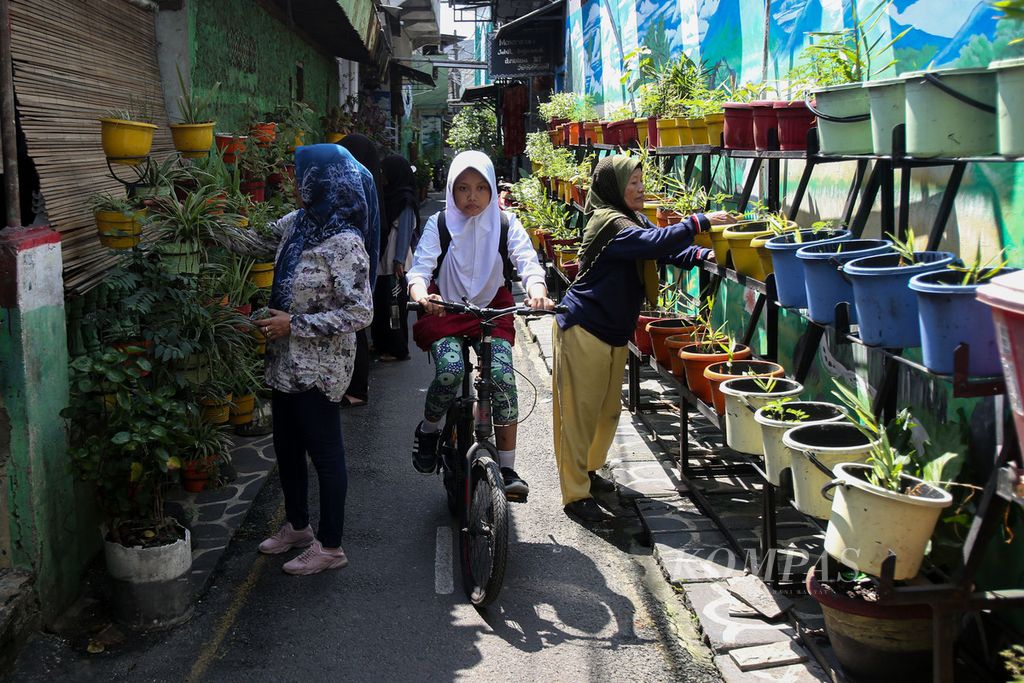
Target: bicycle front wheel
x,y
483,541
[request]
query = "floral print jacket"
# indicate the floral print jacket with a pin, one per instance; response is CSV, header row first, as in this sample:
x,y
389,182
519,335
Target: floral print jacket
x,y
331,300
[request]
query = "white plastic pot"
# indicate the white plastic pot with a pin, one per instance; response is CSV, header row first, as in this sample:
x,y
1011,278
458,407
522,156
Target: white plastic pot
x,y
150,586
743,396
887,100
776,455
951,113
814,451
844,119
1010,105
867,522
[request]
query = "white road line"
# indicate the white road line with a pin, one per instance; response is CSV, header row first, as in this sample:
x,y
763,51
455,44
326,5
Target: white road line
x,y
444,579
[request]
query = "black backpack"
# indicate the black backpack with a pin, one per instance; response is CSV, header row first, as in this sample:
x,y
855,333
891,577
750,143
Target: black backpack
x,y
508,270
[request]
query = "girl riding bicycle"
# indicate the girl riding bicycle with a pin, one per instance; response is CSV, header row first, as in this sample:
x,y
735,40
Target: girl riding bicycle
x,y
465,251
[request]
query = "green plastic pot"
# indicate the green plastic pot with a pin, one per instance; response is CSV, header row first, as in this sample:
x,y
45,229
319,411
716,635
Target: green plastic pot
x,y
951,113
844,119
887,102
1010,105
180,257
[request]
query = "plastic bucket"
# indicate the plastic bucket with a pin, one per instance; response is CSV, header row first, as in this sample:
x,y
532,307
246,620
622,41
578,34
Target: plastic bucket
x,y
789,271
777,456
1010,105
795,120
1005,296
951,113
844,119
738,128
743,397
950,314
815,450
698,131
723,371
824,282
887,102
886,306
867,522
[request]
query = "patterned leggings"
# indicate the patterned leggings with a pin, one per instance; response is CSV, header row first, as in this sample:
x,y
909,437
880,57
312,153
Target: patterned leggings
x,y
449,371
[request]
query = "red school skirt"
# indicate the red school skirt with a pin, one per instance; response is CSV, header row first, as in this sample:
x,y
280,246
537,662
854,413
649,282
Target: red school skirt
x,y
430,328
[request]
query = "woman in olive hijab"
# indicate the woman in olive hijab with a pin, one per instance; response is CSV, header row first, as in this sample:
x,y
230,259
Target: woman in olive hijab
x,y
619,261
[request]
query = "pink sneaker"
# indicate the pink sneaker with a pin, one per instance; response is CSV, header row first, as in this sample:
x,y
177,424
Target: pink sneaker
x,y
316,559
285,539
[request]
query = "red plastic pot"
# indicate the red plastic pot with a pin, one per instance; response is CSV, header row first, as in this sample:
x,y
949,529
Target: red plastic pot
x,y
739,126
263,133
554,124
607,133
764,121
230,146
255,189
794,122
571,270
641,339
566,134
1005,296
627,132
575,133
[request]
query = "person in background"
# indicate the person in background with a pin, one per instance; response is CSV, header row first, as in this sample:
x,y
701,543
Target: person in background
x,y
619,259
390,329
473,268
365,152
320,297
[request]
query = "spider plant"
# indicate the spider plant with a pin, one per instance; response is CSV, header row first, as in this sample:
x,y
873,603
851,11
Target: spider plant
x,y
193,108
905,247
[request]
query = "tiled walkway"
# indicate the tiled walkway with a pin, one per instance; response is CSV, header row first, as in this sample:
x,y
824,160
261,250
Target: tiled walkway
x,y
693,552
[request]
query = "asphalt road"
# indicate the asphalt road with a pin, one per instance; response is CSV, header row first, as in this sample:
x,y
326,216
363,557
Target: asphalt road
x,y
576,604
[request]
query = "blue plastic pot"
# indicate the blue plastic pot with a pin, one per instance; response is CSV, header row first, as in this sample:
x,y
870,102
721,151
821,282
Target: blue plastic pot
x,y
789,271
949,314
825,283
886,306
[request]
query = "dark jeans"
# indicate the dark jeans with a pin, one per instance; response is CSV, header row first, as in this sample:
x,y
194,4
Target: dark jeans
x,y
386,340
359,385
308,423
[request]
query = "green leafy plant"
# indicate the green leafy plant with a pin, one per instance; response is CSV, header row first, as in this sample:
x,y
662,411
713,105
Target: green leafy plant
x,y
339,118
905,247
474,127
139,110
103,201
777,409
1013,657
194,108
978,269
567,105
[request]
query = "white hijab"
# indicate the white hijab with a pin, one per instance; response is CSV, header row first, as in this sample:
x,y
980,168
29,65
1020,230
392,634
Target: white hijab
x,y
472,268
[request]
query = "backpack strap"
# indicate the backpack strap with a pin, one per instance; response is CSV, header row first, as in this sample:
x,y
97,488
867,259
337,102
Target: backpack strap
x,y
445,238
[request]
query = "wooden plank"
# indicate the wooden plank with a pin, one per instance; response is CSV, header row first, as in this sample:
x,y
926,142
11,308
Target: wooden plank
x,y
751,590
782,653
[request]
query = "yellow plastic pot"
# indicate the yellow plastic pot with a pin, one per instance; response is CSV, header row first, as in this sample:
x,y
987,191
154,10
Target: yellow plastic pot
x,y
668,133
298,142
745,257
565,254
215,410
126,142
599,133
651,209
716,125
193,140
119,230
685,134
719,243
641,131
698,131
704,240
332,138
242,409
763,255
262,274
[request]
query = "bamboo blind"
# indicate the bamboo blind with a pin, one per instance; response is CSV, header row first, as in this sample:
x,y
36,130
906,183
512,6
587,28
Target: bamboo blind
x,y
74,60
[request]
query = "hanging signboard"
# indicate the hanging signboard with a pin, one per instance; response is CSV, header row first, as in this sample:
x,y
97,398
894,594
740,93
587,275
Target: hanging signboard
x,y
532,50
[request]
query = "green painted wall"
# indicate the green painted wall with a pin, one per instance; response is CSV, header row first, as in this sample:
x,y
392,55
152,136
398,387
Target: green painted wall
x,y
253,56
52,524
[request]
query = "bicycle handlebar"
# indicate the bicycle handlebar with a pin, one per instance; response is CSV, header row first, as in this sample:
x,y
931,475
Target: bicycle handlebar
x,y
486,313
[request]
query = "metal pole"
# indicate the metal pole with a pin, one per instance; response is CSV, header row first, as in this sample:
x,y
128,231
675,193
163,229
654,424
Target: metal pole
x,y
766,45
8,131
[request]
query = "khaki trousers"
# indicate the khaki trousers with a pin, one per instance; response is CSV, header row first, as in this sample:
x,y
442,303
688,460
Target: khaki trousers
x,y
586,389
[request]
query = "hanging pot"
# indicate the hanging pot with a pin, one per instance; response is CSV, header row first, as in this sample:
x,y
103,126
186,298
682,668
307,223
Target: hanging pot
x,y
886,306
193,140
814,451
824,280
119,230
867,522
126,142
716,373
261,274
180,257
789,271
743,396
777,457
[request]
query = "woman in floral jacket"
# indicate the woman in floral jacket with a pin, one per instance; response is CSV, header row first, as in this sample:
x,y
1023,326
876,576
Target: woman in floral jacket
x,y
321,296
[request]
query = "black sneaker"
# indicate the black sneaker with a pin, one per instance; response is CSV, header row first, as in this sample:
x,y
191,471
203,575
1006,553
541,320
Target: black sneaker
x,y
424,453
599,484
516,490
587,510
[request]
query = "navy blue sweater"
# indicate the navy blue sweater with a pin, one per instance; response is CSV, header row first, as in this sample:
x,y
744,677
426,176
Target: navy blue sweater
x,y
607,299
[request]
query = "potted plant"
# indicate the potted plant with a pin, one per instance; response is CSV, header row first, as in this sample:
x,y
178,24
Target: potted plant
x,y
254,165
193,134
183,230
711,345
745,257
716,373
293,123
261,272
815,450
886,306
118,221
950,314
664,326
127,134
230,146
777,417
208,447
743,397
247,381
789,271
124,446
824,281
338,122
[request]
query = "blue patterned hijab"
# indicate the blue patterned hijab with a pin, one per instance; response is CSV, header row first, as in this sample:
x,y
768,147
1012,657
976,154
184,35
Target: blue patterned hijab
x,y
332,185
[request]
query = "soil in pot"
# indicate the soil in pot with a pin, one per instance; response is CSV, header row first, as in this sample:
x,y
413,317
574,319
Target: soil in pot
x,y
789,271
716,373
743,396
861,530
774,425
660,330
825,284
813,447
697,357
886,306
874,642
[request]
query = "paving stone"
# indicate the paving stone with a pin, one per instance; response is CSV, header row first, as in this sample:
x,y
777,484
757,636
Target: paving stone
x,y
712,603
697,556
210,512
808,672
784,653
644,479
220,495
